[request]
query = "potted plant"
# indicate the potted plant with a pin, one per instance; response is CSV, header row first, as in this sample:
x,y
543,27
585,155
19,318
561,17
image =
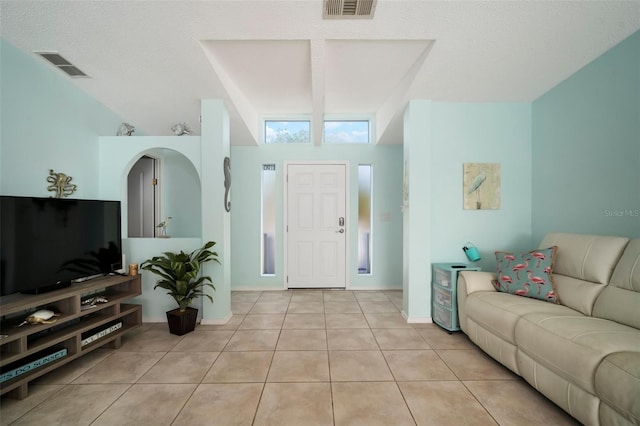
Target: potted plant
x,y
179,276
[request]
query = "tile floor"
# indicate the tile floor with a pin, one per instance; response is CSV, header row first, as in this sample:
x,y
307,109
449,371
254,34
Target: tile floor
x,y
302,357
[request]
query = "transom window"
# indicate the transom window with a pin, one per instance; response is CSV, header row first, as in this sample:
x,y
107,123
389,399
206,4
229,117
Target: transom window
x,y
292,131
346,131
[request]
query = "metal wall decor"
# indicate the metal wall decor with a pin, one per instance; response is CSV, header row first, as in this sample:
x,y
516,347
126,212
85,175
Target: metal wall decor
x,y
227,183
181,129
60,184
125,129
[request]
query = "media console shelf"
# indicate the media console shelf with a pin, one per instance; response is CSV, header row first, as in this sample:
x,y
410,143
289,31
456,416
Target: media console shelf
x,y
29,351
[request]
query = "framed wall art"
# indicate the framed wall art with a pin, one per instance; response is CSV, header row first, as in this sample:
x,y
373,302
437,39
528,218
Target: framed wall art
x,y
481,186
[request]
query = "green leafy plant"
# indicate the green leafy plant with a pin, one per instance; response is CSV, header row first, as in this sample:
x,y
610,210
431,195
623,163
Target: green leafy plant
x,y
179,273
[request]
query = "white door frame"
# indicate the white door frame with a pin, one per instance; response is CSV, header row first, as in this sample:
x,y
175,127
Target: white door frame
x,y
349,226
157,193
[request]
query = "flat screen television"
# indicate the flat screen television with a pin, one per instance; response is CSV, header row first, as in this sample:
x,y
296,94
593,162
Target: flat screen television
x,y
47,243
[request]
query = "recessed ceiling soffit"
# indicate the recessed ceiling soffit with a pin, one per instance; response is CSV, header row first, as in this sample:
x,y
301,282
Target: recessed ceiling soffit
x,y
267,78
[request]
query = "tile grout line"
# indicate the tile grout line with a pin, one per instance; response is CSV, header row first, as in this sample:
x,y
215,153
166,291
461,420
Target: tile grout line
x,y
266,377
445,347
197,385
131,385
479,402
395,379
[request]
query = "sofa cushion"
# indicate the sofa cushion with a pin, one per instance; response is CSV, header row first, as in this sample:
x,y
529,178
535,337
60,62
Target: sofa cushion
x,y
527,274
620,300
573,346
618,383
608,416
576,401
583,266
499,312
587,257
627,272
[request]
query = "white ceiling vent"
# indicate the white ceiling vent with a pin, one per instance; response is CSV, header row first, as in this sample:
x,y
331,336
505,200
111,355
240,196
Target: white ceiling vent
x,y
349,9
61,63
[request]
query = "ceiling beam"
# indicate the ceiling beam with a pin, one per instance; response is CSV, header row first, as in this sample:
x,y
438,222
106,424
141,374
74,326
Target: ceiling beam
x,y
245,109
318,66
394,104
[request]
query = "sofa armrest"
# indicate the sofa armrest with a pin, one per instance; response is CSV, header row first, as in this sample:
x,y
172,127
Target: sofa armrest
x,y
471,282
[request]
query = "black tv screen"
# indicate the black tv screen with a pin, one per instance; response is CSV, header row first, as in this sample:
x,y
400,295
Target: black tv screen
x,y
46,243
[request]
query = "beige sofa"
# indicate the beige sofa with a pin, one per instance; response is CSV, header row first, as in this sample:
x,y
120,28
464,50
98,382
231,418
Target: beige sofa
x,y
584,353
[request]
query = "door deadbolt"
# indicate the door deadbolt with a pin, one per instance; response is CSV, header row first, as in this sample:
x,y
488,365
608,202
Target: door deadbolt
x,y
341,221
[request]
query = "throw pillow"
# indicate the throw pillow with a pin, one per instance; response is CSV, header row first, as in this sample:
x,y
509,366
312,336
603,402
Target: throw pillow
x,y
527,274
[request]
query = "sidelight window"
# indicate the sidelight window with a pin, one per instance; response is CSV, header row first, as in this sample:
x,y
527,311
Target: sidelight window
x,y
364,218
268,234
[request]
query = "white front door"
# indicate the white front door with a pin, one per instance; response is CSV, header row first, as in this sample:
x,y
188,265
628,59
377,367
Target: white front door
x,y
316,225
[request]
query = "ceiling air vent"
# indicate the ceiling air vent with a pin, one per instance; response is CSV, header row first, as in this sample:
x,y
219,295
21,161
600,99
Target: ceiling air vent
x,y
61,63
349,9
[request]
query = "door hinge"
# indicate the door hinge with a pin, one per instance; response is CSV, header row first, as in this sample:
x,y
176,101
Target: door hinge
x,y
287,278
154,181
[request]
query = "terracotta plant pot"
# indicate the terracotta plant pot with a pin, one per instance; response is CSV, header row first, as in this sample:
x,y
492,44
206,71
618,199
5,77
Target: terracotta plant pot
x,y
182,322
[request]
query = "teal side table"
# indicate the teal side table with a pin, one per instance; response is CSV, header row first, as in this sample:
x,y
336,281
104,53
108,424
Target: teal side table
x,y
444,296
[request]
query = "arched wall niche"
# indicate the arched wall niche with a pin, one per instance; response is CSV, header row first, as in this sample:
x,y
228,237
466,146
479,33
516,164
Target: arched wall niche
x,y
181,190
176,197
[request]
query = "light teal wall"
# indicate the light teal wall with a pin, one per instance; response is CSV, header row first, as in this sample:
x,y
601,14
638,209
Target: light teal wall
x,y
439,139
155,303
246,165
569,162
480,133
417,181
586,148
216,221
47,123
181,195
117,156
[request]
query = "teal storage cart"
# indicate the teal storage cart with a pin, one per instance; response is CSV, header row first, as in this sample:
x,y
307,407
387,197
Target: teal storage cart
x,y
444,293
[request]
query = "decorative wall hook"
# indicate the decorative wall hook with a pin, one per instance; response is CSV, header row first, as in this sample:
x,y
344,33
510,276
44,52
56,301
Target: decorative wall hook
x,y
60,184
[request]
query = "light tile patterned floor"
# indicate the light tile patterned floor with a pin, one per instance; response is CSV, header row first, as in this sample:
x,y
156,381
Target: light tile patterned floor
x,y
301,357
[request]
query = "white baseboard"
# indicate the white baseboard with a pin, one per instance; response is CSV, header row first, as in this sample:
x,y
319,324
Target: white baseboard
x,y
352,288
349,288
258,289
217,321
416,320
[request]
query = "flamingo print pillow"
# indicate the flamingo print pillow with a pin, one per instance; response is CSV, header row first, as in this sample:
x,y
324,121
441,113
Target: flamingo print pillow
x,y
527,274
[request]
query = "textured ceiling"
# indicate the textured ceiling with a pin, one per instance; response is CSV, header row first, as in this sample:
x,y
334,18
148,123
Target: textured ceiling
x,y
153,61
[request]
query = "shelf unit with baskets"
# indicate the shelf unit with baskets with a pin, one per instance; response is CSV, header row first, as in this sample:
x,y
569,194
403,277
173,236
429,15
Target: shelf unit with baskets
x,y
444,296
